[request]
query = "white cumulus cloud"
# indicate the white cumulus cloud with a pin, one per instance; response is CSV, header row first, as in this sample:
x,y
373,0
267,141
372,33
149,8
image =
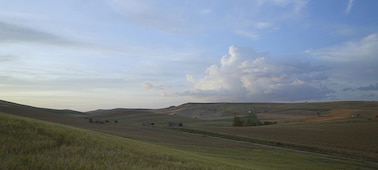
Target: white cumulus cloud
x,y
244,75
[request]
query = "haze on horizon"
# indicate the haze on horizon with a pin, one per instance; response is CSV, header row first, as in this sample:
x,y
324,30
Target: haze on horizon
x,y
86,55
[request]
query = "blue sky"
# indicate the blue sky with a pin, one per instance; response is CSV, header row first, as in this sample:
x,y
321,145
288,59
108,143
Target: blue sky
x,y
85,55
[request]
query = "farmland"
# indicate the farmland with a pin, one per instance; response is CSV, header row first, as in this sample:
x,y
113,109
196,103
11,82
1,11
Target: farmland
x,y
302,139
31,144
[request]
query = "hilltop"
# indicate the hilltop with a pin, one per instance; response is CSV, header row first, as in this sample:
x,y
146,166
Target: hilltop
x,y
318,111
281,112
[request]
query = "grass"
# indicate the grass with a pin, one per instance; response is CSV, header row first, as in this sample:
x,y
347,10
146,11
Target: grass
x,y
349,138
273,111
33,144
66,111
270,158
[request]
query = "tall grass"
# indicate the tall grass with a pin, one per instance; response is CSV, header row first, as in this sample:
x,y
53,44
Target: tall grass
x,y
33,144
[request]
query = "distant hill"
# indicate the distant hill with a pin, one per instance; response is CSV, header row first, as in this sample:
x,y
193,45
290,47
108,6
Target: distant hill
x,y
36,112
281,112
276,111
7,106
116,111
351,133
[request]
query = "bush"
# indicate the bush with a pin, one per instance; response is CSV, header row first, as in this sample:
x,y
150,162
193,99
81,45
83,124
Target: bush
x,y
269,123
249,121
238,121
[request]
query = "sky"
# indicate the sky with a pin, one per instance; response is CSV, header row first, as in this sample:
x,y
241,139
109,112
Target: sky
x,y
102,54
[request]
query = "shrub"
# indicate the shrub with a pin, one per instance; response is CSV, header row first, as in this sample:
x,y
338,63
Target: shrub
x,y
269,123
238,121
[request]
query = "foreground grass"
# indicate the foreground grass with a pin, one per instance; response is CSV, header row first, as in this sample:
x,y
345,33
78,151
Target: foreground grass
x,y
32,144
270,158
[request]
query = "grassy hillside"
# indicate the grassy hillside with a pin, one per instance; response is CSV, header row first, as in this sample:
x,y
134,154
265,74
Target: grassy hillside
x,y
34,144
282,112
354,139
64,111
52,115
28,143
15,108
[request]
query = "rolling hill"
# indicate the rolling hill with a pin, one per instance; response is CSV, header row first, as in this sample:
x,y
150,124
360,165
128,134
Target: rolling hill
x,y
34,144
282,112
327,128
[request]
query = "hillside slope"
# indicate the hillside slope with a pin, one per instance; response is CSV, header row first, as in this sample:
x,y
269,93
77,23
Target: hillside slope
x,y
53,115
321,111
33,144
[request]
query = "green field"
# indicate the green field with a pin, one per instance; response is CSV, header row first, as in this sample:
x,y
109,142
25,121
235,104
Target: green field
x,y
34,144
307,136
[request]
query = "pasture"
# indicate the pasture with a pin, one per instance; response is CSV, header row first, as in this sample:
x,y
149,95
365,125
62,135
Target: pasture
x,y
34,144
336,140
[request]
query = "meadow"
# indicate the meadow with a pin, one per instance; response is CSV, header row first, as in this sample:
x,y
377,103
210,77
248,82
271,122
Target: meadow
x,y
33,144
64,139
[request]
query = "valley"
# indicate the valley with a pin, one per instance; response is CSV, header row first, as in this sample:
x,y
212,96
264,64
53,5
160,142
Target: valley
x,y
330,133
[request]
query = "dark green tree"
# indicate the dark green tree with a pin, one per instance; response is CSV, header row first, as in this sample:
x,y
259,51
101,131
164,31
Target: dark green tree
x,y
237,121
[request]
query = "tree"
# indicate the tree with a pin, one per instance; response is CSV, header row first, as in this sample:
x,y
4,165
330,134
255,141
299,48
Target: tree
x,y
237,121
250,123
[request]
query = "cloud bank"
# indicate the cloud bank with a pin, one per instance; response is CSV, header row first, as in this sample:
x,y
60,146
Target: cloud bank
x,y
353,63
346,71
245,75
360,50
10,33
